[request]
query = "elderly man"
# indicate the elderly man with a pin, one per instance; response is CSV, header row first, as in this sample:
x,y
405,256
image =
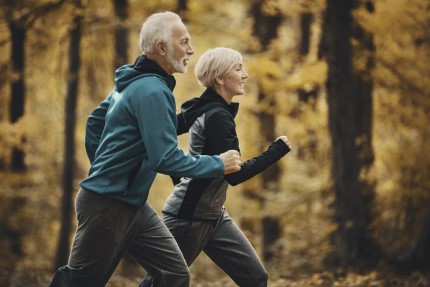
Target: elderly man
x,y
130,137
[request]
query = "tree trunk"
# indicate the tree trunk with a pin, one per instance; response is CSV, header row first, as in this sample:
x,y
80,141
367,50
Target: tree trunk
x,y
420,258
265,29
128,265
69,142
18,31
121,33
182,5
18,35
305,29
270,224
350,119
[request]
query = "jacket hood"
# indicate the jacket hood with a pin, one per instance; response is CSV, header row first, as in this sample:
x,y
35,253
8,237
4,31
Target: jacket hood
x,y
192,109
141,67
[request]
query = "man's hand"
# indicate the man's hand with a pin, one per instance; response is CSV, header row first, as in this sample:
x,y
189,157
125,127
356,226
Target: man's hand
x,y
231,160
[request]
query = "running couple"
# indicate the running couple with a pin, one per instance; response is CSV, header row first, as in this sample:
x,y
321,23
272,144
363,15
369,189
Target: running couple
x,y
132,135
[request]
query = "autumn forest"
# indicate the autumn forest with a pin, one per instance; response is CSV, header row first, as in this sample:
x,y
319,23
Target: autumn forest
x,y
346,80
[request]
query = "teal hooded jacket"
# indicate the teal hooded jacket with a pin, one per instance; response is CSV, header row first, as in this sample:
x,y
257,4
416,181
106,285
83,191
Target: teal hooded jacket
x,y
138,139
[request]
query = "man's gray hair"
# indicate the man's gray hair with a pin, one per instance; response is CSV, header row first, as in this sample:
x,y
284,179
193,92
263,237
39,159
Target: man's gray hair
x,y
215,63
156,28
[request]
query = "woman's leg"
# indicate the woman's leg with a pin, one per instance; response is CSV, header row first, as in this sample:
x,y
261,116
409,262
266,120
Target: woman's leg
x,y
233,253
191,238
156,250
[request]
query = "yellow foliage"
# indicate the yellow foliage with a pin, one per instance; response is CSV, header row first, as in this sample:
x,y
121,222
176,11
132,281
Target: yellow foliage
x,y
267,73
302,197
308,77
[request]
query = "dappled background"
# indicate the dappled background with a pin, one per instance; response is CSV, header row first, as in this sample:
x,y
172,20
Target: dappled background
x,y
346,80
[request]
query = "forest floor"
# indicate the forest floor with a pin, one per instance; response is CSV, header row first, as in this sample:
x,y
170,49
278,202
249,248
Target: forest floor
x,y
373,279
324,279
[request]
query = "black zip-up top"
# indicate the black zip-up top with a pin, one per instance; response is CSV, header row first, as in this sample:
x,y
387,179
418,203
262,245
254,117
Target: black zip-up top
x,y
212,131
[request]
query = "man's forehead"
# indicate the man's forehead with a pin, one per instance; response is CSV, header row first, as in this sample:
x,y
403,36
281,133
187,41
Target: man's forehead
x,y
179,30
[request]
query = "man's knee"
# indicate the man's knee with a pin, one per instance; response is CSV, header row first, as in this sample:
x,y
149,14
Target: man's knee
x,y
69,277
179,278
61,278
182,276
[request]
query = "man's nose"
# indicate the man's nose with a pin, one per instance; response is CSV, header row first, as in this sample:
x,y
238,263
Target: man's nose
x,y
190,50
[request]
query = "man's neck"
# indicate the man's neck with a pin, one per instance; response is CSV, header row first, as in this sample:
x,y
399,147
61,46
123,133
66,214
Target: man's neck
x,y
160,61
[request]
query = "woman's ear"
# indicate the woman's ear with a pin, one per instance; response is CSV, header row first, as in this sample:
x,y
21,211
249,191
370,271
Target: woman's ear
x,y
219,81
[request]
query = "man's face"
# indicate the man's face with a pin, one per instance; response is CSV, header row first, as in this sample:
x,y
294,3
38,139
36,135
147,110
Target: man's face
x,y
179,50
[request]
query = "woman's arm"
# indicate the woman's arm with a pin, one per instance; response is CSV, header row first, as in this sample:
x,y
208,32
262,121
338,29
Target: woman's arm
x,y
220,131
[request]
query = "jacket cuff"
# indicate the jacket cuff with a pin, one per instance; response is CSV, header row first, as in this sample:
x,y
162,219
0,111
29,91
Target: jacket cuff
x,y
281,146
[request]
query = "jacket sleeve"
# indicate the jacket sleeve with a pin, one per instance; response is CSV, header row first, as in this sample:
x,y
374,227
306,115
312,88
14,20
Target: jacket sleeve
x,y
221,135
181,127
94,128
157,122
258,164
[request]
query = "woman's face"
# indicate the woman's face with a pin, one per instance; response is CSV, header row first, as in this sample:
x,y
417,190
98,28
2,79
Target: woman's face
x,y
234,81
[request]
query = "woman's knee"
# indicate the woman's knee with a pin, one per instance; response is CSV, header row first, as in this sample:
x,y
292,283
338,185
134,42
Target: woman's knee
x,y
261,278
256,279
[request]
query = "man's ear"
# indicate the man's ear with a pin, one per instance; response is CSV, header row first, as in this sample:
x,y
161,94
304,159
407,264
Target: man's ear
x,y
160,47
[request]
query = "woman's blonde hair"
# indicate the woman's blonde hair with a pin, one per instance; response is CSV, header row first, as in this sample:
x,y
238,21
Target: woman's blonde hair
x,y
215,63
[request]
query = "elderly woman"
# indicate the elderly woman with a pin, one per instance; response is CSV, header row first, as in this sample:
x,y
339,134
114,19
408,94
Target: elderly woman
x,y
194,212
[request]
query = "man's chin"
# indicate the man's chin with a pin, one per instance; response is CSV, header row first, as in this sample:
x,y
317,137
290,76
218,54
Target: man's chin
x,y
182,70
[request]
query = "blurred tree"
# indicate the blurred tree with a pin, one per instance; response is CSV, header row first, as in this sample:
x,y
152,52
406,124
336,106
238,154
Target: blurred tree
x,y
404,101
350,121
265,30
63,246
121,33
11,235
4,155
305,28
286,80
128,265
421,252
420,258
19,19
182,5
18,33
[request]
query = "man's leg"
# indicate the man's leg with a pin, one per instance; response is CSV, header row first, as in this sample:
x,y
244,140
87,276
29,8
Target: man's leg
x,y
233,253
105,229
156,250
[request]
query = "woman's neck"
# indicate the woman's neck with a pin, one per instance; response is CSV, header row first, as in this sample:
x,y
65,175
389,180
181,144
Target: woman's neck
x,y
223,94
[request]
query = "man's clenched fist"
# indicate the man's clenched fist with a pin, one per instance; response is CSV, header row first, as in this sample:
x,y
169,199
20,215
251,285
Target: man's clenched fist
x,y
231,160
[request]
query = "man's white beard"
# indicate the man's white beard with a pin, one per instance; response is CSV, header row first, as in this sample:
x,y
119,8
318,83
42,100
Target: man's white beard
x,y
178,65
